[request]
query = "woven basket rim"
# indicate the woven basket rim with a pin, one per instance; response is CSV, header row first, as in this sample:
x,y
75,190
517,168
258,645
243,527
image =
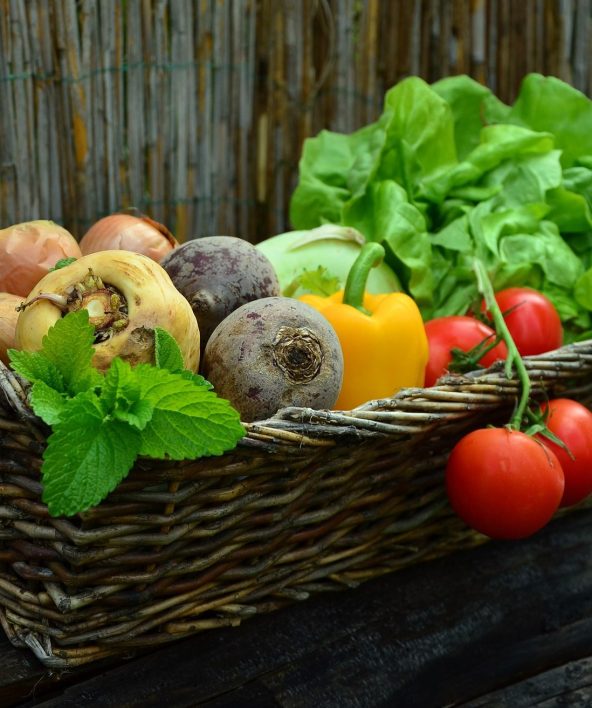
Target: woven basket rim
x,y
403,413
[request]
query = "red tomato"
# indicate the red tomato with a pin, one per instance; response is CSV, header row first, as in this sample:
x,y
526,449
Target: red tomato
x,y
503,482
532,320
457,332
571,422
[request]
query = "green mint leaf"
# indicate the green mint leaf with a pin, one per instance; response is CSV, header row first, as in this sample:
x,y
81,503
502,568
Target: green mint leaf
x,y
138,414
36,367
62,263
166,351
120,386
87,456
69,346
168,356
47,402
121,395
197,379
188,421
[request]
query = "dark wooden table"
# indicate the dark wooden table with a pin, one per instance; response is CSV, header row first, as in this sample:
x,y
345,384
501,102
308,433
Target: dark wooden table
x,y
506,624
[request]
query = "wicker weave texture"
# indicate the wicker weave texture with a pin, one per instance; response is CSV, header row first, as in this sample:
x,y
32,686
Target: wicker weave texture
x,y
310,501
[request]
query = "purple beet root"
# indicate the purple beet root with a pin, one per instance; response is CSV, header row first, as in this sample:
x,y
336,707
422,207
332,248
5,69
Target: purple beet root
x,y
272,353
217,274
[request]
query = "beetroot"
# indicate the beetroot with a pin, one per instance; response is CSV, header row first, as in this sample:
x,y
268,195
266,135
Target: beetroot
x,y
271,353
217,274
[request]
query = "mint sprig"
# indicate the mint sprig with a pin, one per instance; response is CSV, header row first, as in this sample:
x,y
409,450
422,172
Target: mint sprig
x,y
62,263
101,423
64,361
87,456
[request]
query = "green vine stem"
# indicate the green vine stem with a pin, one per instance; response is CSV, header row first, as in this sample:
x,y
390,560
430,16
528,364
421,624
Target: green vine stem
x,y
513,360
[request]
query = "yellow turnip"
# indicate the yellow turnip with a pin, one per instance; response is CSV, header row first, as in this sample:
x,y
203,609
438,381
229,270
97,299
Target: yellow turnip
x,y
126,294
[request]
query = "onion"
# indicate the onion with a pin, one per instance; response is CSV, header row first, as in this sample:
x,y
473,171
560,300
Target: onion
x,y
126,295
8,317
29,250
129,232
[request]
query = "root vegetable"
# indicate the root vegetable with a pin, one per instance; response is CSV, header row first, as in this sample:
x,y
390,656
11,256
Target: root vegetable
x,y
329,246
126,294
217,274
8,318
129,232
271,353
29,250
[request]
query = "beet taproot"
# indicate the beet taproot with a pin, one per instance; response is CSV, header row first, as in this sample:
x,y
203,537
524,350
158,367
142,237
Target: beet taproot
x,y
271,353
217,274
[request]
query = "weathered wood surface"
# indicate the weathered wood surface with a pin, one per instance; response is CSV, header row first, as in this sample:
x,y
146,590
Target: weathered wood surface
x,y
195,110
506,624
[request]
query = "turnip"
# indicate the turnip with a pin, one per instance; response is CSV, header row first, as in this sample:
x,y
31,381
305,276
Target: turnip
x,y
9,304
217,274
126,295
271,353
332,248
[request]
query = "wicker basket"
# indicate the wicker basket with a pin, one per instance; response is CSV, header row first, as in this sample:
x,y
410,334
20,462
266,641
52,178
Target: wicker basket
x,y
309,501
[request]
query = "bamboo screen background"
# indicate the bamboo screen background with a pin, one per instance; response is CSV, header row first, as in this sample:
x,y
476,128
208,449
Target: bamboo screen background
x,y
194,111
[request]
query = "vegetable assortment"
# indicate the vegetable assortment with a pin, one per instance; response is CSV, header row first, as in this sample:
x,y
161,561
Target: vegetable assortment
x,y
448,172
452,233
102,422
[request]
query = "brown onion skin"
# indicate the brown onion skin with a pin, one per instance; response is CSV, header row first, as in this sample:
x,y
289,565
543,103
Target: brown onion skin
x,y
128,232
29,250
8,319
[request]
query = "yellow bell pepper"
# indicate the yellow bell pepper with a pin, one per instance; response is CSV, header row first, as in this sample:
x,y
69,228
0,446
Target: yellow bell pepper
x,y
383,338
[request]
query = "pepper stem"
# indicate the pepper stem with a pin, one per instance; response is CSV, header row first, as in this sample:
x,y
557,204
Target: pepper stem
x,y
513,359
370,256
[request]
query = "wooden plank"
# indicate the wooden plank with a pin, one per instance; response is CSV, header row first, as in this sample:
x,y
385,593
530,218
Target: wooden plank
x,y
158,114
78,130
63,109
181,75
91,51
568,685
243,93
135,167
109,108
221,199
40,126
8,169
503,612
22,107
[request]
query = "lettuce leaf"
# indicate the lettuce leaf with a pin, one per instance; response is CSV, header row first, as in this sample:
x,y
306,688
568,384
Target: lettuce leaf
x,y
447,172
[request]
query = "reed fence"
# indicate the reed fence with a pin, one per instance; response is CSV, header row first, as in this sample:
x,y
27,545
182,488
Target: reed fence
x,y
195,111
